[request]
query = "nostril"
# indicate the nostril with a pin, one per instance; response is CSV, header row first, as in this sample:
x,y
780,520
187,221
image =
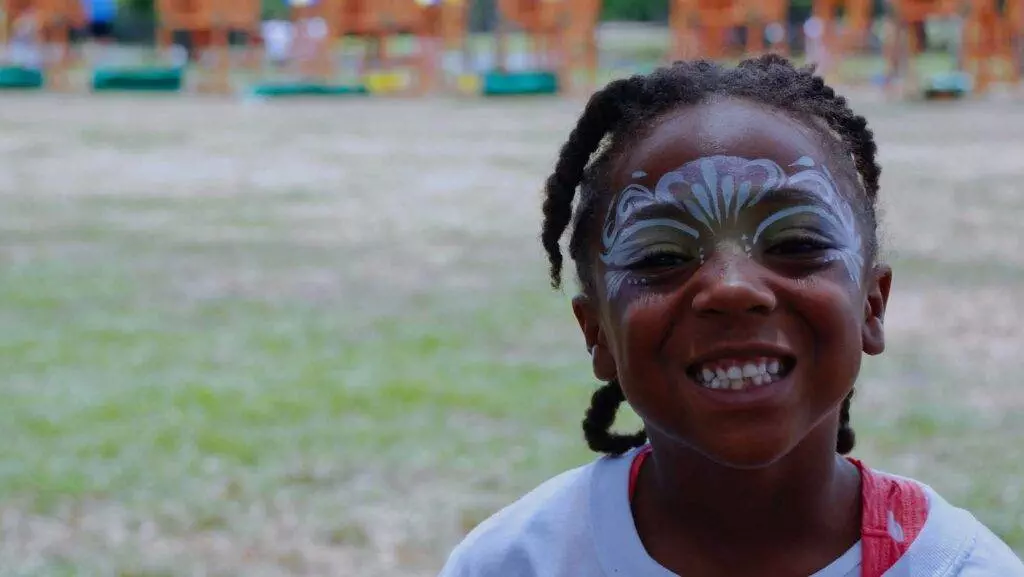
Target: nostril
x,y
761,309
734,298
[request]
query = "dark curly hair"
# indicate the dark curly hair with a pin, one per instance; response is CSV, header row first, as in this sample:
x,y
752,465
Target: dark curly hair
x,y
626,109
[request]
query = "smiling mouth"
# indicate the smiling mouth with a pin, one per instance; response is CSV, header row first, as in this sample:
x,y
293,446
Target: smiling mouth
x,y
738,374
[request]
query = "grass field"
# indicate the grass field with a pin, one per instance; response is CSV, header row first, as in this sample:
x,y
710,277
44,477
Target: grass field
x,y
318,340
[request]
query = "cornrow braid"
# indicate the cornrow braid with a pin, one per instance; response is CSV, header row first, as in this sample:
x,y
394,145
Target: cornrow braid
x,y
846,439
600,115
625,110
597,423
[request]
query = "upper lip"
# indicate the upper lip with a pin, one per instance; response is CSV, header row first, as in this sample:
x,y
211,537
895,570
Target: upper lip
x,y
741,350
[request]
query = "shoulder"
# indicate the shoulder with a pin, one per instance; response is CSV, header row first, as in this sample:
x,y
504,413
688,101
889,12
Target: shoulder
x,y
990,556
954,543
541,532
982,553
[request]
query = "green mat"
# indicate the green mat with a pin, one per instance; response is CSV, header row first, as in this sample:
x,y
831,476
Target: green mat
x,y
20,78
306,89
137,79
519,83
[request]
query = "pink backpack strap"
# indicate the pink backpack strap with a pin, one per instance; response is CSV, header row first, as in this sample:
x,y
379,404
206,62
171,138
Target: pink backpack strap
x,y
894,513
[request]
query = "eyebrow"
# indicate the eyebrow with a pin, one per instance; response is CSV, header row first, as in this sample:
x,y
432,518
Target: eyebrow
x,y
782,193
795,194
656,210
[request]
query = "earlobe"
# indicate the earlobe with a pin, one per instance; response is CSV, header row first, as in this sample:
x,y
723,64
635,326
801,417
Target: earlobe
x,y
589,319
875,303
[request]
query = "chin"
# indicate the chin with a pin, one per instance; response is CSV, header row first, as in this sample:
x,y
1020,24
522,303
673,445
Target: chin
x,y
747,462
746,452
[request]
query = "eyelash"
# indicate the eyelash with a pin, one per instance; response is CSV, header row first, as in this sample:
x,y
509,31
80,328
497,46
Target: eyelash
x,y
656,260
802,245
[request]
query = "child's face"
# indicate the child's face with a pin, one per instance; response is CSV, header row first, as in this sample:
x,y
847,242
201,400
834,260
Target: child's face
x,y
734,297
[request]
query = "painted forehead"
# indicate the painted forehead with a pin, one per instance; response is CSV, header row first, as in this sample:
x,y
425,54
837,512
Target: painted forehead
x,y
713,188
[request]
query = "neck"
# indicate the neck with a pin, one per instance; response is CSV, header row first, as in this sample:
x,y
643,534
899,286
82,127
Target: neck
x,y
810,494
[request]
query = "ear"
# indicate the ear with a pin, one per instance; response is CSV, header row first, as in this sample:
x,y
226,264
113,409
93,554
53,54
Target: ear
x,y
873,331
589,318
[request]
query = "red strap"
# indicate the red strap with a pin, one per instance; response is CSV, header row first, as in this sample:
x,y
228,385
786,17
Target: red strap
x,y
894,512
634,468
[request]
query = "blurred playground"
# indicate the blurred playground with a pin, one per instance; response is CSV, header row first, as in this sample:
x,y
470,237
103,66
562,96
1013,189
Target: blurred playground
x,y
244,335
420,47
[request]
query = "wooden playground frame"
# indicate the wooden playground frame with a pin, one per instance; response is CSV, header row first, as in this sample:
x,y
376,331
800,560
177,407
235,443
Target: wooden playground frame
x,y
701,28
209,24
561,34
841,38
990,39
51,23
436,26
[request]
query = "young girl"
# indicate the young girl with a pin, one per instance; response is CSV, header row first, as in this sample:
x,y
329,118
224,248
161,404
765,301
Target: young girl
x,y
725,242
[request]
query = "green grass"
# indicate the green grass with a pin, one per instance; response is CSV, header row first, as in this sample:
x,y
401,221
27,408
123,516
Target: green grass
x,y
310,376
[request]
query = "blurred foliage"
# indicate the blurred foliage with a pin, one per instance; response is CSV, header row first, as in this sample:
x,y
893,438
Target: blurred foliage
x,y
138,7
642,10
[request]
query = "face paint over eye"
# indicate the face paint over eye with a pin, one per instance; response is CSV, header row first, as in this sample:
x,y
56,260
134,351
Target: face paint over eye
x,y
712,193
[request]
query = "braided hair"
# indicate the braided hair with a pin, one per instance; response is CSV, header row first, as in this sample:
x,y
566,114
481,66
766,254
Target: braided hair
x,y
625,109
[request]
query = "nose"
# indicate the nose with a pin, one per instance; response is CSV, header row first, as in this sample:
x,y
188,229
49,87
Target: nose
x,y
732,284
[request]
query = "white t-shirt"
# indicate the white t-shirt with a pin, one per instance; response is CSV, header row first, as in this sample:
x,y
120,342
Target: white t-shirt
x,y
579,524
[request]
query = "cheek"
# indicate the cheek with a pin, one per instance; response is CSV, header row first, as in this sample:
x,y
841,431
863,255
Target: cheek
x,y
832,307
642,321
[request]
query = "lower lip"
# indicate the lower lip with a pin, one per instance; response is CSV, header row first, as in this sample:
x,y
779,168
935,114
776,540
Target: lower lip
x,y
752,396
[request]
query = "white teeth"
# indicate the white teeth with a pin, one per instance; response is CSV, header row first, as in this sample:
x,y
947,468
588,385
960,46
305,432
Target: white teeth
x,y
760,372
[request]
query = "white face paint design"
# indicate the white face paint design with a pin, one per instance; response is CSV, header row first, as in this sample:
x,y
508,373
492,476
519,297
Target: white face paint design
x,y
696,207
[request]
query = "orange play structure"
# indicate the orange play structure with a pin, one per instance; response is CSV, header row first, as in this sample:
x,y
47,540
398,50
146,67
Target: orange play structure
x,y
857,15
990,36
840,38
449,19
49,22
991,42
701,28
209,23
562,36
902,44
435,25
